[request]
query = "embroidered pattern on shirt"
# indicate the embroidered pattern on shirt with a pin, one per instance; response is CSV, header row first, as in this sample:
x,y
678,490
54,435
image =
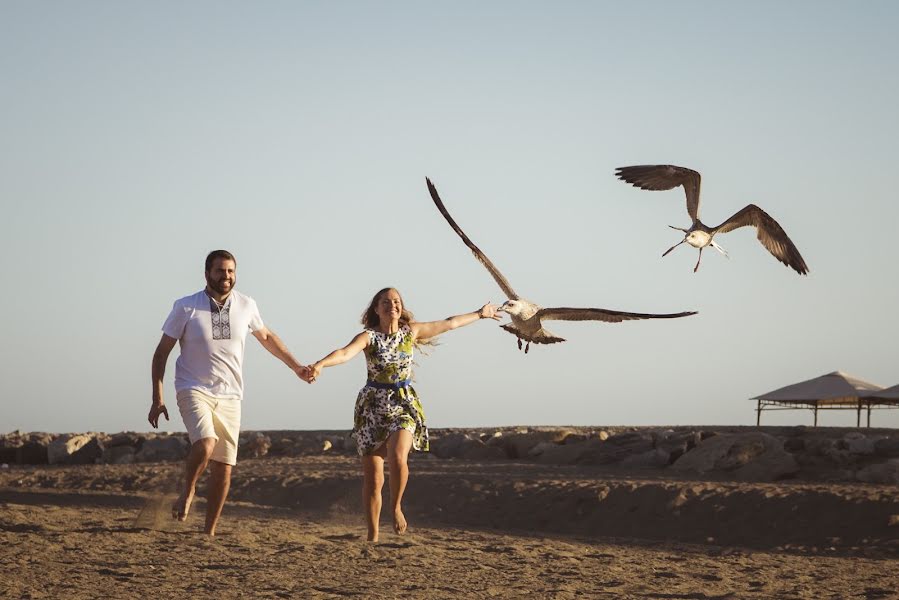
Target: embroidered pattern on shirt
x,y
221,320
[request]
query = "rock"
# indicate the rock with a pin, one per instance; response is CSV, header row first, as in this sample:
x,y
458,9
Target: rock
x,y
61,448
8,454
575,438
563,454
751,456
857,443
541,448
794,445
887,447
657,457
118,455
449,445
256,446
87,454
885,472
602,435
327,445
162,449
32,453
517,445
819,446
616,448
675,444
461,445
123,439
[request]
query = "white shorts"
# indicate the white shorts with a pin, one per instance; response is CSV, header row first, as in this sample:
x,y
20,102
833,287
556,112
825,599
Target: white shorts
x,y
209,417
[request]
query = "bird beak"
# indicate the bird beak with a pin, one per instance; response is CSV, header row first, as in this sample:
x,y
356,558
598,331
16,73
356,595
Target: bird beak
x,y
678,228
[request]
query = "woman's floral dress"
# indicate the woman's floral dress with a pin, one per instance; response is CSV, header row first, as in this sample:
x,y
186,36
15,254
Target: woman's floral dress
x,y
388,402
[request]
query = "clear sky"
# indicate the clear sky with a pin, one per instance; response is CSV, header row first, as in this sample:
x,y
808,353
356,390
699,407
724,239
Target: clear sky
x,y
136,137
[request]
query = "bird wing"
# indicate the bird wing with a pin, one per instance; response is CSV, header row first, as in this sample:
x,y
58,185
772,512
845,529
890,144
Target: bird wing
x,y
770,234
665,177
601,314
497,276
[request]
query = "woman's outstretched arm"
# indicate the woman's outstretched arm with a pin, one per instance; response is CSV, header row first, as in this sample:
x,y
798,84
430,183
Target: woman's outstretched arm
x,y
424,331
341,355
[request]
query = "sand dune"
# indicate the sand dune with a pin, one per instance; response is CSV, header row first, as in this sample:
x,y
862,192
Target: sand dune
x,y
500,529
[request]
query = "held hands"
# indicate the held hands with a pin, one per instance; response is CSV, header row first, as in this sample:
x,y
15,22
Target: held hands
x,y
157,408
314,371
304,373
488,311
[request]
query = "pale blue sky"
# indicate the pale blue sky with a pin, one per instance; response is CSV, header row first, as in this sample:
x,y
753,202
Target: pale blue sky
x,y
136,137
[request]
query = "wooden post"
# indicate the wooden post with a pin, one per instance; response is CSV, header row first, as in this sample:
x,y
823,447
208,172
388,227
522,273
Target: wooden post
x,y
858,421
869,414
758,417
816,414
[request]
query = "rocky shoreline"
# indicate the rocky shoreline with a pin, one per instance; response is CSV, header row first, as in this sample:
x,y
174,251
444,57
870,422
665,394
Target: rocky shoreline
x,y
723,452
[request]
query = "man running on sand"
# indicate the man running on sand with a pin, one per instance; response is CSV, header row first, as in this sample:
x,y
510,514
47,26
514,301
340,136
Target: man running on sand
x,y
212,327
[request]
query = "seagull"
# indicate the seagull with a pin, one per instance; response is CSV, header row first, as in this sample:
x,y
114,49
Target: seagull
x,y
527,317
699,235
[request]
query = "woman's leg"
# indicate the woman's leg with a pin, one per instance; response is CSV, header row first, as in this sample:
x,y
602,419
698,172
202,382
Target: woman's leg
x,y
398,445
372,483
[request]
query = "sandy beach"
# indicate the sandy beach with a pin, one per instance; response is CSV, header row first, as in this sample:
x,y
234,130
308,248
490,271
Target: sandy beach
x,y
507,529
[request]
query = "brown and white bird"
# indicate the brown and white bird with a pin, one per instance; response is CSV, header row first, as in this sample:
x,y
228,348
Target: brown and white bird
x,y
527,317
699,235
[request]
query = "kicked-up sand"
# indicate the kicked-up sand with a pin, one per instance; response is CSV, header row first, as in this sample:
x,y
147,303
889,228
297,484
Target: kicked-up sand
x,y
293,528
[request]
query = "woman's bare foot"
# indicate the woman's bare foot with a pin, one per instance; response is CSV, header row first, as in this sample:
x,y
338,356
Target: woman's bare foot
x,y
181,506
399,522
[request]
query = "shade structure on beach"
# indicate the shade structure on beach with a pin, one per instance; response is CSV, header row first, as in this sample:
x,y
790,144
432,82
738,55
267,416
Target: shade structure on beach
x,y
888,396
833,391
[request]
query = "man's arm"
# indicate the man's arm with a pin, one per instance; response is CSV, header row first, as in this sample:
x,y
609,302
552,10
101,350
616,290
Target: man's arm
x,y
160,358
273,344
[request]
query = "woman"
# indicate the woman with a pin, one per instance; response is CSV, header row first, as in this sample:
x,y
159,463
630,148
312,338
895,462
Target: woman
x,y
389,420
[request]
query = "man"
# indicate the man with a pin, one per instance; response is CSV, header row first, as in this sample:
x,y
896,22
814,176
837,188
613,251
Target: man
x,y
212,327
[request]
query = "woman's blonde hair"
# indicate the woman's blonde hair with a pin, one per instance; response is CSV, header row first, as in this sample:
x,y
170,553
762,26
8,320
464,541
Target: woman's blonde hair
x,y
371,320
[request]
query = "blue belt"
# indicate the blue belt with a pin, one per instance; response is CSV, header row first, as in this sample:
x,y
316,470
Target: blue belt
x,y
389,386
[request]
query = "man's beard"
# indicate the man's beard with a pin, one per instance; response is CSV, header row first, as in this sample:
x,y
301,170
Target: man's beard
x,y
219,287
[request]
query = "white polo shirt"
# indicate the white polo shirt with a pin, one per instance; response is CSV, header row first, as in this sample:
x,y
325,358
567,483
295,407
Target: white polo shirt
x,y
212,342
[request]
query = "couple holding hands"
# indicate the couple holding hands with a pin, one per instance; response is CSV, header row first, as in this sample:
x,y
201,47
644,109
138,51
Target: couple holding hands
x,y
212,326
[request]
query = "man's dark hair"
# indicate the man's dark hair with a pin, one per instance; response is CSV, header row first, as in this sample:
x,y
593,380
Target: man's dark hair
x,y
218,254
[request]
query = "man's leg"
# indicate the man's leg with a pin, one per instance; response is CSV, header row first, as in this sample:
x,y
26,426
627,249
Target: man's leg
x,y
372,483
218,485
197,458
398,446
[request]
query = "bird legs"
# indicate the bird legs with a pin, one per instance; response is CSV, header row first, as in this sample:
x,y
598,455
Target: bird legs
x,y
526,348
714,245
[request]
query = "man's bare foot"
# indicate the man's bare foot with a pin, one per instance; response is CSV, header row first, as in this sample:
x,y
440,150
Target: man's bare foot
x,y
399,522
181,506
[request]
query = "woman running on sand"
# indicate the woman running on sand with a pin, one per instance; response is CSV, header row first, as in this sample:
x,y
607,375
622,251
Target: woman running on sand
x,y
389,419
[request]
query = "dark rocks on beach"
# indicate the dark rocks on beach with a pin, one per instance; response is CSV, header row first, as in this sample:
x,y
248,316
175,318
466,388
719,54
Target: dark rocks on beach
x,y
163,449
742,453
753,456
463,445
887,447
518,445
886,472
256,446
118,455
63,447
127,438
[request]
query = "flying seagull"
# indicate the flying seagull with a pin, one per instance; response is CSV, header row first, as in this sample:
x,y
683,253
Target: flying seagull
x,y
699,235
527,317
